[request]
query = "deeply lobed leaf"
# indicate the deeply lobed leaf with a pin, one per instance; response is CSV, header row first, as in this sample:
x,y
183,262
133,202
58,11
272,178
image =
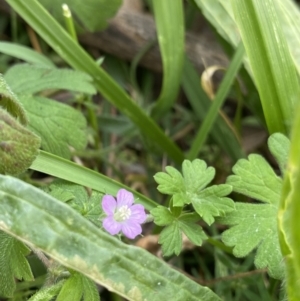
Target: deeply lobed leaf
x,y
176,225
255,225
188,189
13,264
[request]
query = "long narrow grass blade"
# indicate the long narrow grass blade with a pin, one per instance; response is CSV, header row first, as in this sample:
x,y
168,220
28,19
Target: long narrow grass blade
x,y
200,103
73,54
288,215
270,60
170,29
217,102
67,170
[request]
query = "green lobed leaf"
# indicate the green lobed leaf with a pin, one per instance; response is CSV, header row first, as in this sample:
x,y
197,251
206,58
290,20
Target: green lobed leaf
x,y
188,188
171,240
85,12
256,178
54,123
25,53
196,176
279,146
255,225
212,202
162,216
76,243
30,79
47,293
10,102
18,146
171,235
76,196
193,232
13,264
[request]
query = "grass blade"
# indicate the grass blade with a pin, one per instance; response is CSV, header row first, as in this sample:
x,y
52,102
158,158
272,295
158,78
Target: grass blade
x,y
200,103
72,172
288,215
170,29
222,92
270,61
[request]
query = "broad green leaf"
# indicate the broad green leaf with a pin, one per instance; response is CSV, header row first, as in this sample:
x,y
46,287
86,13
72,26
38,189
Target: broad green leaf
x,y
171,235
78,198
13,264
73,54
30,79
47,293
10,102
87,12
255,225
25,53
72,289
270,60
279,146
54,123
288,215
18,146
170,31
212,202
76,243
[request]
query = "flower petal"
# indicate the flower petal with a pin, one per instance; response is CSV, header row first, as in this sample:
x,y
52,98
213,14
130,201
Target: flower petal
x,y
138,214
109,204
124,198
131,230
111,226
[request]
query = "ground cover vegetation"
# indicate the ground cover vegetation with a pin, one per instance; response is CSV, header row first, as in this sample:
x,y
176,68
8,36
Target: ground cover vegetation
x,y
149,150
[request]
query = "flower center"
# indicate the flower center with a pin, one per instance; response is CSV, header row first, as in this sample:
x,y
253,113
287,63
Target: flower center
x,y
123,213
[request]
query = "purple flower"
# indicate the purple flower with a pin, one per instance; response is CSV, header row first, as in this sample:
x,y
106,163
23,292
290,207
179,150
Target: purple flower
x,y
122,215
